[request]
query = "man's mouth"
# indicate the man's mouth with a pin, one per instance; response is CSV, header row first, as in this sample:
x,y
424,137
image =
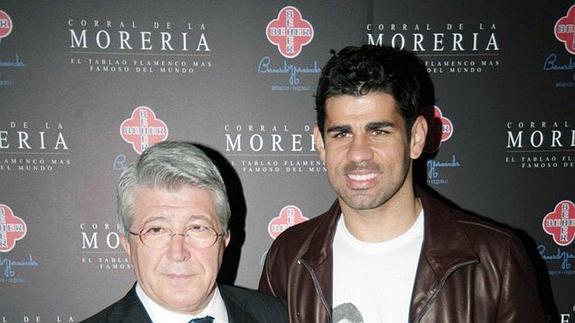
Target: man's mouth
x,y
362,177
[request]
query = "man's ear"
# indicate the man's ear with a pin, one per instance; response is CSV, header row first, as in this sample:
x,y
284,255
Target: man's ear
x,y
418,137
318,138
227,238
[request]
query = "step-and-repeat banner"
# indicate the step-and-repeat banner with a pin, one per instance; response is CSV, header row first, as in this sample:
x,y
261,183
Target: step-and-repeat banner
x,y
85,86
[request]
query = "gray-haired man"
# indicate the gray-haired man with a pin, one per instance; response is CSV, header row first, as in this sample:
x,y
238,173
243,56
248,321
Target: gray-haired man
x,y
174,210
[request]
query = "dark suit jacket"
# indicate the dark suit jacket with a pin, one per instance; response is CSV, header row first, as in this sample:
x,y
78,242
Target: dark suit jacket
x,y
243,306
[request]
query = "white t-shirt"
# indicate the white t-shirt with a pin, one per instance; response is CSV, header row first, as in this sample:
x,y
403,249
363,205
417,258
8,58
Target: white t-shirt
x,y
372,282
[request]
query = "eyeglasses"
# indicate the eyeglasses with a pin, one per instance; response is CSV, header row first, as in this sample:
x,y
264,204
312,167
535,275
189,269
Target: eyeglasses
x,y
196,236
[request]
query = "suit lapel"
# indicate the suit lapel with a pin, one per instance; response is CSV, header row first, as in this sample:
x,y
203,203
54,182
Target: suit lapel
x,y
236,311
130,310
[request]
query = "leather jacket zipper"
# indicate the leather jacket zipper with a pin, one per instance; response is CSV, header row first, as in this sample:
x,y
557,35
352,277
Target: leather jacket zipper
x,y
316,285
440,286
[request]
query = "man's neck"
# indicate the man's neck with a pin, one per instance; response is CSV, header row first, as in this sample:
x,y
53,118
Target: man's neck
x,y
385,222
159,313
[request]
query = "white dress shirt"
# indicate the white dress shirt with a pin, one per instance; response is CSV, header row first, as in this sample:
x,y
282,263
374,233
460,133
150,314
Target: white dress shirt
x,y
216,308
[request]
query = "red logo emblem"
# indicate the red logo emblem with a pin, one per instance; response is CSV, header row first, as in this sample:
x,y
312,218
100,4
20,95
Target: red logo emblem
x,y
12,228
440,129
561,223
565,30
143,129
289,32
5,24
290,215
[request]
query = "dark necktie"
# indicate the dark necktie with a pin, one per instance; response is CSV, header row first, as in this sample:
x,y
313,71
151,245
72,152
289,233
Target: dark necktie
x,y
205,319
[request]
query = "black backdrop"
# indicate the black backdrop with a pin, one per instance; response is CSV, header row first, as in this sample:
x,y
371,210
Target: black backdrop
x,y
85,85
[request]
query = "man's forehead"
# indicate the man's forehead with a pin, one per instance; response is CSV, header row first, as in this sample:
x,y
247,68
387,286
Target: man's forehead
x,y
154,189
346,109
384,100
186,201
168,217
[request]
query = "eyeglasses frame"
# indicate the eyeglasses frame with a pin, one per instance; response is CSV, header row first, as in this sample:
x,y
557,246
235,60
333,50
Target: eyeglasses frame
x,y
173,234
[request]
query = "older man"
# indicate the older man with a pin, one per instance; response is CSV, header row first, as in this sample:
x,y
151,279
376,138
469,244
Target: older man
x,y
173,208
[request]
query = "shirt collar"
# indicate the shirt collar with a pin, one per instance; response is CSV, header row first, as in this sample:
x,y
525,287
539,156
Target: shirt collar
x,y
216,308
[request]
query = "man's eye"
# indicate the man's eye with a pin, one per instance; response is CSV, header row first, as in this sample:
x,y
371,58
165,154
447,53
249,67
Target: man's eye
x,y
155,231
198,228
341,134
378,132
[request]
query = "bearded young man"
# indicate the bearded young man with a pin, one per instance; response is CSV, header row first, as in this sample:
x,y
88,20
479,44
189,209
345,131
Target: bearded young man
x,y
386,248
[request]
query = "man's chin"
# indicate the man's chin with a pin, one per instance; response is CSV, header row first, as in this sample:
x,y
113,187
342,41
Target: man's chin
x,y
362,203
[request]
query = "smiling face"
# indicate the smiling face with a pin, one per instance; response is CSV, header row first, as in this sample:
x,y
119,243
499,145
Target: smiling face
x,y
177,277
367,152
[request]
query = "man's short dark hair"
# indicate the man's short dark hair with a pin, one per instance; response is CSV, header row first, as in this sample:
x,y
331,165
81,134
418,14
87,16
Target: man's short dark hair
x,y
366,69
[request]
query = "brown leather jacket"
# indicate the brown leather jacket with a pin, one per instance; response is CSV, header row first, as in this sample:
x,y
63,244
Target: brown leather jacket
x,y
469,270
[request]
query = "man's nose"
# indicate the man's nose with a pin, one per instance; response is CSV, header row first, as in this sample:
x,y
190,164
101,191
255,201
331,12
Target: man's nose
x,y
360,149
178,250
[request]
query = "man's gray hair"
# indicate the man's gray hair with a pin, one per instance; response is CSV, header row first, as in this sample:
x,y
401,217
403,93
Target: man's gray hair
x,y
171,165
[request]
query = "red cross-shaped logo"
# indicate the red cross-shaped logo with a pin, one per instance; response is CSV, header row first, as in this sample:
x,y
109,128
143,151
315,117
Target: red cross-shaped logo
x,y
12,228
565,30
289,32
289,215
5,24
143,129
561,223
440,128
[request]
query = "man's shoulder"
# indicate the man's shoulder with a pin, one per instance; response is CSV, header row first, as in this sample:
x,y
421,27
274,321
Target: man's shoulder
x,y
482,228
260,306
127,309
479,235
102,316
447,218
306,230
245,295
